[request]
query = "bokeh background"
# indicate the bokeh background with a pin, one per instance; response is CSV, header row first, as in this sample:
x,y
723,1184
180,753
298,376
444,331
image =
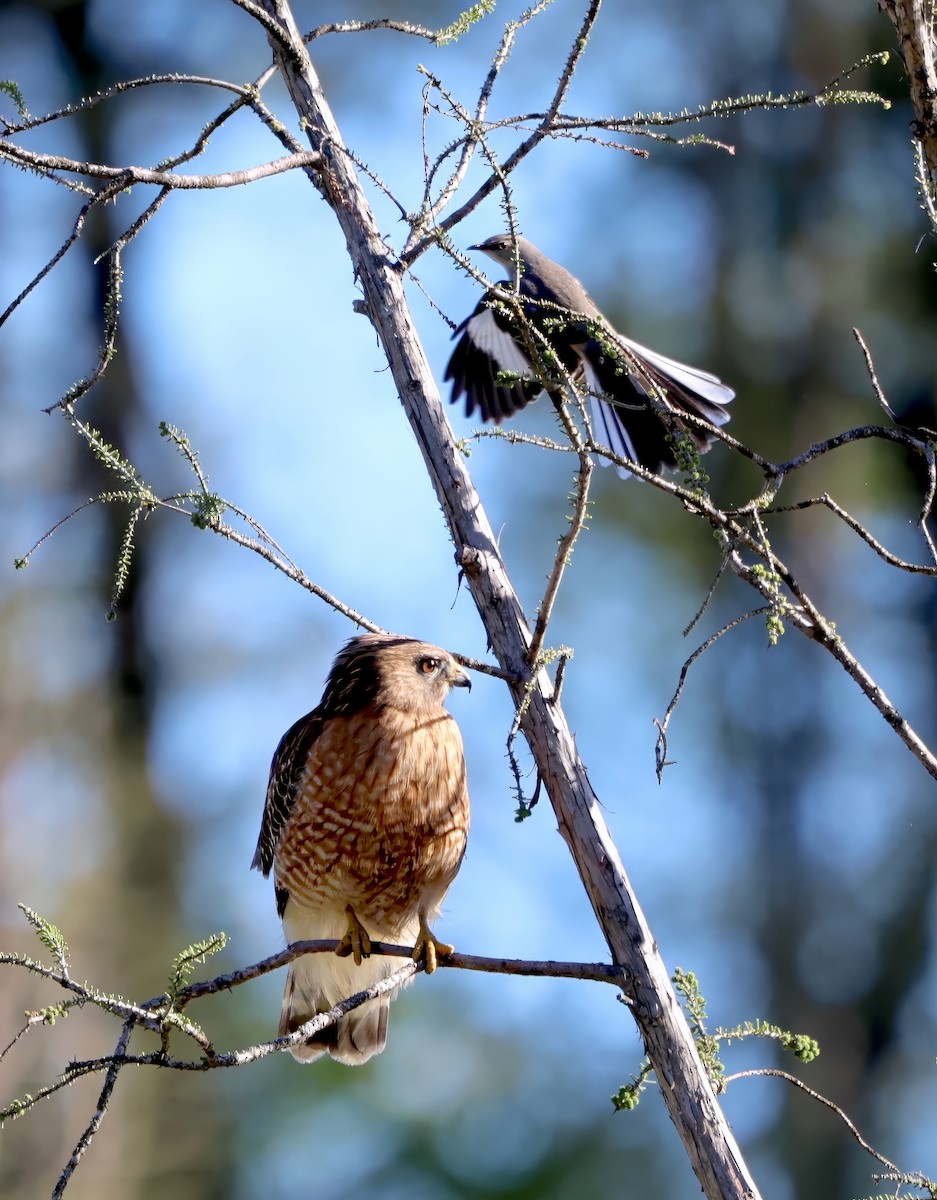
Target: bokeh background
x,y
788,856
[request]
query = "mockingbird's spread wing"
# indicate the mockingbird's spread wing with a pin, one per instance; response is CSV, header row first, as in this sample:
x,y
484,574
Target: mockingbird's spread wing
x,y
503,360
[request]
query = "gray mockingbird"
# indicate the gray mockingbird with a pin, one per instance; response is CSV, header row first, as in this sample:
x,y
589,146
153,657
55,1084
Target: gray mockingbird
x,y
503,361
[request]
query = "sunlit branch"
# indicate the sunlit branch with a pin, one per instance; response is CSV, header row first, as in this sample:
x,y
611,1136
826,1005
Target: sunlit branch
x,y
431,35
600,972
431,210
914,22
551,123
127,176
497,177
117,89
141,1015
154,1014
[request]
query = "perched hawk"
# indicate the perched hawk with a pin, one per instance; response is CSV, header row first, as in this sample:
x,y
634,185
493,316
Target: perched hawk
x,y
492,364
364,828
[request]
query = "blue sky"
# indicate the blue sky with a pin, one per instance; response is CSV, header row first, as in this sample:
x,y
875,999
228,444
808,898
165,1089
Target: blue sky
x,y
238,308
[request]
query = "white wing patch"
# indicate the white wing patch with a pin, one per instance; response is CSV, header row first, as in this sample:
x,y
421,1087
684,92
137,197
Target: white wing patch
x,y
501,348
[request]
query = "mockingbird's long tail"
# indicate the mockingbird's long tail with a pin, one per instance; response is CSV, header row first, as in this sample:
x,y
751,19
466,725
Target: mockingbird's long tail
x,y
637,405
542,330
494,372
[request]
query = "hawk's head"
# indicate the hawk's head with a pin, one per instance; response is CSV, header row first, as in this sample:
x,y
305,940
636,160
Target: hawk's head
x,y
387,671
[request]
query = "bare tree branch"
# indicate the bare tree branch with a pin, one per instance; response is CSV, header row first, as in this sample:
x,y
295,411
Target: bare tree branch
x,y
600,972
577,521
859,529
103,1100
660,751
533,140
909,1179
685,1086
126,176
914,22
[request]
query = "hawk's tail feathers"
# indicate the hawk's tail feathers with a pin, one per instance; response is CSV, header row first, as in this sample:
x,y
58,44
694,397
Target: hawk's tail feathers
x,y
351,1040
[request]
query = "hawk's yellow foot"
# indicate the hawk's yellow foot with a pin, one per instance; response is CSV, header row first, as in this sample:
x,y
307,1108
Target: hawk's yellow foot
x,y
429,948
356,940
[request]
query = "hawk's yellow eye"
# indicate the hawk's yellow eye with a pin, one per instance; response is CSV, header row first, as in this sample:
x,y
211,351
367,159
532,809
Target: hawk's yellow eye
x,y
429,665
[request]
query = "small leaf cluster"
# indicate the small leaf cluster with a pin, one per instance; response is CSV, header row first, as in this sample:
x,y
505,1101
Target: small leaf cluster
x,y
803,1047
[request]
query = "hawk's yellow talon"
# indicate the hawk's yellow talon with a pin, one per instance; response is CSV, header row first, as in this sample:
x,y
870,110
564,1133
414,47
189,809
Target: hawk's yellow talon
x,y
429,948
356,940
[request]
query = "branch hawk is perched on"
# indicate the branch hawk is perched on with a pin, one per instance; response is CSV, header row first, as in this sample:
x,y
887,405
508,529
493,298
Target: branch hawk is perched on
x,y
364,828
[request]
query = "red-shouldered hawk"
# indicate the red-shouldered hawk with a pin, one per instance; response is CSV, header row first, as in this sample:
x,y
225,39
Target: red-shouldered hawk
x,y
364,827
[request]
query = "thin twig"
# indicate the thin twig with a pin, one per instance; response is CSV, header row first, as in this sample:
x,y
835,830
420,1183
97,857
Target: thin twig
x,y
421,31
859,529
496,178
776,1073
431,209
127,176
861,433
564,551
707,599
660,751
141,1014
95,1123
106,355
927,507
105,194
870,368
928,447
127,85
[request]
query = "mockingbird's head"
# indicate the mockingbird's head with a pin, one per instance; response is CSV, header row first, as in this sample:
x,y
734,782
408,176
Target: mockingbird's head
x,y
503,248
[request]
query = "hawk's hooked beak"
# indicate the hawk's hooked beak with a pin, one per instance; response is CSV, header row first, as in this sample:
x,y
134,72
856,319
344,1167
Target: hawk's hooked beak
x,y
457,677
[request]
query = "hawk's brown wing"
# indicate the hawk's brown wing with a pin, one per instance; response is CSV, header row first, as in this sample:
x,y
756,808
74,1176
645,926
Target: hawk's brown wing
x,y
286,774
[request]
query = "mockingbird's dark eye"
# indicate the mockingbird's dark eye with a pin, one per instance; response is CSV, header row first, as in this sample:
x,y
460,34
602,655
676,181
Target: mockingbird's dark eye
x,y
428,665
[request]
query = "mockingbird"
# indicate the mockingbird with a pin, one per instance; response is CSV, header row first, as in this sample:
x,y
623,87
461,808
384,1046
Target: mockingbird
x,y
503,361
